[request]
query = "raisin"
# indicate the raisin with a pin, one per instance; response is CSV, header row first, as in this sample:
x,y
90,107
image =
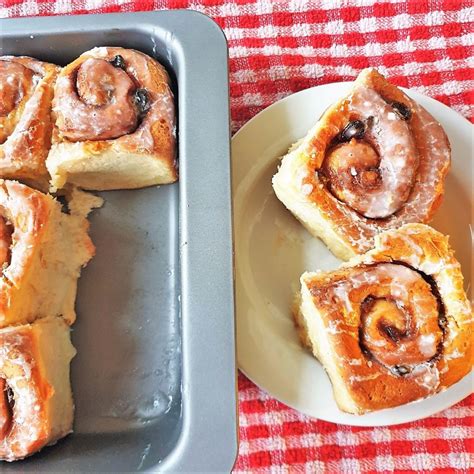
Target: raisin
x,y
402,110
401,370
141,100
443,321
118,61
354,129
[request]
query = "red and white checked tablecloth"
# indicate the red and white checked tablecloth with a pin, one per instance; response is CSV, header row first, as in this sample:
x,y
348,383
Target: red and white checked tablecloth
x,y
277,48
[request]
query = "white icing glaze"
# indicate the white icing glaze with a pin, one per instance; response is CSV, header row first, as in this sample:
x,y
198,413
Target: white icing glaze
x,y
427,344
363,378
342,292
98,52
427,376
416,332
399,158
161,104
455,354
433,150
31,88
26,426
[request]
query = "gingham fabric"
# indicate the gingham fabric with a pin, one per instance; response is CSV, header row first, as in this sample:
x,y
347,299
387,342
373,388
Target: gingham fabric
x,y
277,48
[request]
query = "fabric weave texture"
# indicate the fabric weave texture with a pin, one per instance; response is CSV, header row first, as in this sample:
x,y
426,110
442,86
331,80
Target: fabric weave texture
x,y
276,49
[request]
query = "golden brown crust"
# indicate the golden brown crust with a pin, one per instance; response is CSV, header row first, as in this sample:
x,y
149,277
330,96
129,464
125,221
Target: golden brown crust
x,y
155,134
35,396
46,249
429,251
24,148
312,185
20,345
27,212
299,321
396,319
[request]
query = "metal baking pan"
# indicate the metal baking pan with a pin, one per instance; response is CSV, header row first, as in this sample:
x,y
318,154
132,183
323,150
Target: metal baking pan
x,y
154,379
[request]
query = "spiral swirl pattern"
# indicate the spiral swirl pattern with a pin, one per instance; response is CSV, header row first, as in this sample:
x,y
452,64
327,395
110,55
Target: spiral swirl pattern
x,y
109,93
26,92
16,87
373,174
374,161
393,325
397,312
32,393
100,105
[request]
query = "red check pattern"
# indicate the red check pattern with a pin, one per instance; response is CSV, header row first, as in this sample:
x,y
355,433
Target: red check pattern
x,y
277,48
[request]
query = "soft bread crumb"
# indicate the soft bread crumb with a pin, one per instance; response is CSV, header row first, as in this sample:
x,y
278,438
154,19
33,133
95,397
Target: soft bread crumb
x,y
49,249
81,203
107,169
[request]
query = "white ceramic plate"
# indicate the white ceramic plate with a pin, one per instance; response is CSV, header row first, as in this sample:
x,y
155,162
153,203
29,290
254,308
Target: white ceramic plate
x,y
273,250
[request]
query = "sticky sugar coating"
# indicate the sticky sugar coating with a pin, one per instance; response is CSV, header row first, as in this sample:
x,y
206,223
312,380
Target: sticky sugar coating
x,y
36,406
115,125
375,160
391,326
26,93
42,251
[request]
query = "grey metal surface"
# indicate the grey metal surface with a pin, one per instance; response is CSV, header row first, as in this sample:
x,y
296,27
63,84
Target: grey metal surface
x,y
154,379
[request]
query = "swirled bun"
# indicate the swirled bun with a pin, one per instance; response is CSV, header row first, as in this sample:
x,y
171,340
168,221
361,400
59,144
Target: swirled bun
x,y
114,122
42,251
36,407
391,326
26,92
374,161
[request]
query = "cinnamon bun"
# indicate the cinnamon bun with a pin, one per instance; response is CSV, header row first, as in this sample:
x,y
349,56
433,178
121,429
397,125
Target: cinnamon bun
x,y
42,251
390,326
375,160
36,407
114,122
26,92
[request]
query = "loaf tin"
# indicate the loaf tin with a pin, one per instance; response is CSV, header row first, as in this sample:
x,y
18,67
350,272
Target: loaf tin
x,y
154,378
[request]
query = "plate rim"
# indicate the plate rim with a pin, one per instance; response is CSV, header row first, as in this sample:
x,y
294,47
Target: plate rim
x,y
358,419
342,83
